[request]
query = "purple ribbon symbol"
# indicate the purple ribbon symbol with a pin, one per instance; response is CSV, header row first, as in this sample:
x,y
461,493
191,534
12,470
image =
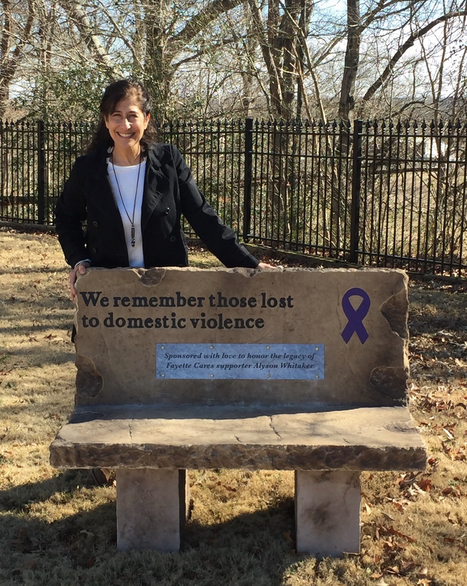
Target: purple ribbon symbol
x,y
355,316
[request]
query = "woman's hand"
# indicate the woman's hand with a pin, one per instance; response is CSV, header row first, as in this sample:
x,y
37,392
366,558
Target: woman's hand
x,y
79,269
265,265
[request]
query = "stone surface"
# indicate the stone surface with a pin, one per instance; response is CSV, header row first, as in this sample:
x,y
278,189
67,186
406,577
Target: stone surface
x,y
223,437
124,313
150,509
327,512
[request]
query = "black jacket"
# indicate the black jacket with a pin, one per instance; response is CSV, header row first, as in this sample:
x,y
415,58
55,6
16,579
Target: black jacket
x,y
169,192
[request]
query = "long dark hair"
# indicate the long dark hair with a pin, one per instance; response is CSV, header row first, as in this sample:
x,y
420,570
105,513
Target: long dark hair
x,y
114,93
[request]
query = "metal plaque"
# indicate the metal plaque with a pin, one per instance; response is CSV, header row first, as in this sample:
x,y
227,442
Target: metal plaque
x,y
240,361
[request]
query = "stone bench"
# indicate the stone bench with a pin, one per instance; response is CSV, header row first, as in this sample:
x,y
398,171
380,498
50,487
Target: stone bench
x,y
302,370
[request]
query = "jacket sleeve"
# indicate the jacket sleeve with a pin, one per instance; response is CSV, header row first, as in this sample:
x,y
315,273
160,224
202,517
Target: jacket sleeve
x,y
219,238
70,213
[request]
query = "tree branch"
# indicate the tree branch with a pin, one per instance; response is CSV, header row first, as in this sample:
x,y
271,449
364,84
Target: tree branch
x,y
200,20
403,49
78,15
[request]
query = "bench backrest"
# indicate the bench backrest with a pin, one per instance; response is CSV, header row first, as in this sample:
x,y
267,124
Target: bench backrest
x,y
239,336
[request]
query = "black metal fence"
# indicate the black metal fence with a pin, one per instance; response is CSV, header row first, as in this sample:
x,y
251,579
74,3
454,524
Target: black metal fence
x,y
373,193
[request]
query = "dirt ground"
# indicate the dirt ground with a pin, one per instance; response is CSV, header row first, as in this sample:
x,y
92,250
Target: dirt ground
x,y
58,528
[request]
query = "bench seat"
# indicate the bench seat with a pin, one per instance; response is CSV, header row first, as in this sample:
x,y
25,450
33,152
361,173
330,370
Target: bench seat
x,y
198,437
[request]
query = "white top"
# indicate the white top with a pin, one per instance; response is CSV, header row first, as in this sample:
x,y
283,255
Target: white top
x,y
125,200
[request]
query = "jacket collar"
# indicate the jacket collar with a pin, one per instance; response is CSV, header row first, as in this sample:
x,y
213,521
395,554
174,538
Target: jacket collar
x,y
99,159
155,185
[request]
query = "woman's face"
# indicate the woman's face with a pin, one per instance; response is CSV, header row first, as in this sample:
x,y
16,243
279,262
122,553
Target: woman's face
x,y
127,124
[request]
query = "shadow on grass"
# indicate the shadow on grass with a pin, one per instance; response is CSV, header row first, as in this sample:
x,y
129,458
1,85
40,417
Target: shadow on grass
x,y
42,359
24,495
29,328
252,548
432,311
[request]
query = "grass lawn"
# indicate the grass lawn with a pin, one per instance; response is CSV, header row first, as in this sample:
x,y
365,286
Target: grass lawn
x,y
59,529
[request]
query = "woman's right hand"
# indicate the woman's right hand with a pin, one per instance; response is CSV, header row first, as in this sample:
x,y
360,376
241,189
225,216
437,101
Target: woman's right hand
x,y
79,269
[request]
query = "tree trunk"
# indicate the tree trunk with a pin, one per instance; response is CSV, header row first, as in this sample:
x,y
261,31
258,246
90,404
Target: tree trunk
x,y
352,57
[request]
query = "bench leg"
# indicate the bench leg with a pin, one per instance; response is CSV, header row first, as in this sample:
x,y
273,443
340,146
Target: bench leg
x,y
327,512
151,508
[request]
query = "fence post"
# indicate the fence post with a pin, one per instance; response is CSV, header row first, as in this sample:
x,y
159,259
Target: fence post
x,y
40,172
356,191
247,178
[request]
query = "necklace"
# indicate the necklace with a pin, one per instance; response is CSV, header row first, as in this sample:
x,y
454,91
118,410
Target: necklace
x,y
132,218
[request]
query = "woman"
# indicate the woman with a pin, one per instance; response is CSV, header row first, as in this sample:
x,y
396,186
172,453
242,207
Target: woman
x,y
131,193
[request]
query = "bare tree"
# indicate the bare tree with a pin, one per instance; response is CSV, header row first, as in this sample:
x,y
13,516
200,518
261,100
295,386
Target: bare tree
x,y
277,37
287,57
86,27
419,34
16,30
